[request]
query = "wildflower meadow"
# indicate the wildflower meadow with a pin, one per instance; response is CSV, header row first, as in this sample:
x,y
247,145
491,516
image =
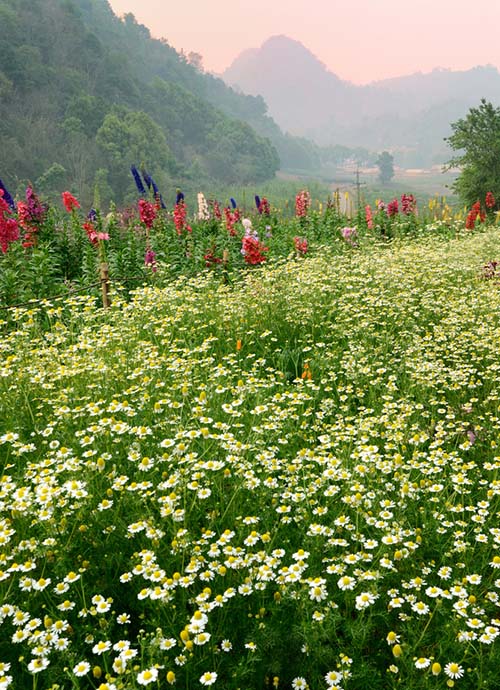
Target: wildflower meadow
x,y
271,462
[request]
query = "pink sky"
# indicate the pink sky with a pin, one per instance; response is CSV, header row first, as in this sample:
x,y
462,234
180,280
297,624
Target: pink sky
x,y
360,40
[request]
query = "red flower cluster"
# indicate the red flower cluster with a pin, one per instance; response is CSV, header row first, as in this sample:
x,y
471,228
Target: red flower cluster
x,y
180,213
232,217
217,213
264,207
392,208
30,215
93,233
490,200
69,201
302,203
408,204
9,229
301,245
253,250
473,215
147,212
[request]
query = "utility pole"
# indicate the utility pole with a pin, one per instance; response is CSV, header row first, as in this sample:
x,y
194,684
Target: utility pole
x,y
358,188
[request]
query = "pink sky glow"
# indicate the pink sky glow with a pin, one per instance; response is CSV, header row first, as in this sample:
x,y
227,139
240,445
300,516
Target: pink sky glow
x,y
359,40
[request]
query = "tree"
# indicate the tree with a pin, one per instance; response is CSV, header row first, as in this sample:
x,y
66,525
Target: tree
x,y
385,164
477,139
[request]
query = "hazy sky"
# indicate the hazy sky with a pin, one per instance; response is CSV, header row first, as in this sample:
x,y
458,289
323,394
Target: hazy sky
x,y
360,40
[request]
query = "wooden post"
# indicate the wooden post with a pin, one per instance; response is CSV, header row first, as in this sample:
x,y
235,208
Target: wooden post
x,y
225,261
105,285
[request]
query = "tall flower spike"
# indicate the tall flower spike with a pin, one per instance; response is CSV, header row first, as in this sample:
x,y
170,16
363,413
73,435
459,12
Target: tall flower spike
x,y
179,197
233,202
138,182
8,198
147,178
151,183
257,201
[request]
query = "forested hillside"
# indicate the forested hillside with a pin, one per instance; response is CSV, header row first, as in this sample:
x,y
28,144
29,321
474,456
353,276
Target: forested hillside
x,y
84,94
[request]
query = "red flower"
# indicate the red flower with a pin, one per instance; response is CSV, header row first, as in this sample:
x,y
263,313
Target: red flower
x,y
264,207
301,245
302,203
490,200
9,229
216,209
393,208
232,217
180,213
408,204
473,215
253,250
69,201
147,212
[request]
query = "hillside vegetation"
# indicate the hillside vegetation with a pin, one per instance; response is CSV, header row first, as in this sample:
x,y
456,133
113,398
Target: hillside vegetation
x,y
83,95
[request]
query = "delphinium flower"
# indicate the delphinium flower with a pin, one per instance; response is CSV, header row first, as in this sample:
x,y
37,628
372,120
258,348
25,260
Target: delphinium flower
x,y
69,201
302,203
159,203
9,229
138,181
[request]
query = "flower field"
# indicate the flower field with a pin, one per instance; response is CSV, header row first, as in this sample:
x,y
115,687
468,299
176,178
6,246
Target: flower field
x,y
289,480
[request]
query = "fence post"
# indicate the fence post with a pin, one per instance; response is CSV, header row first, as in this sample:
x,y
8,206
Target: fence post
x,y
225,261
105,285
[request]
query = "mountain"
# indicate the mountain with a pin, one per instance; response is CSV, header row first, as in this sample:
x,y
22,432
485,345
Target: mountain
x,y
409,115
85,94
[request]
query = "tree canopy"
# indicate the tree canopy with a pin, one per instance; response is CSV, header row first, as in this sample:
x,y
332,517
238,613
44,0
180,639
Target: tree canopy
x,y
85,94
476,139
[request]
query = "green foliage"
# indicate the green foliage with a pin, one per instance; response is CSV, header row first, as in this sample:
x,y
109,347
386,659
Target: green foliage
x,y
476,138
385,163
90,92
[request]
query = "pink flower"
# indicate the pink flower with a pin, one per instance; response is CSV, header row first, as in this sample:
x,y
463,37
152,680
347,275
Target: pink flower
x,y
302,203
369,217
349,234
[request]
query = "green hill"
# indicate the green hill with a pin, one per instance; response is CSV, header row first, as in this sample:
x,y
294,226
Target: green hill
x,y
84,94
